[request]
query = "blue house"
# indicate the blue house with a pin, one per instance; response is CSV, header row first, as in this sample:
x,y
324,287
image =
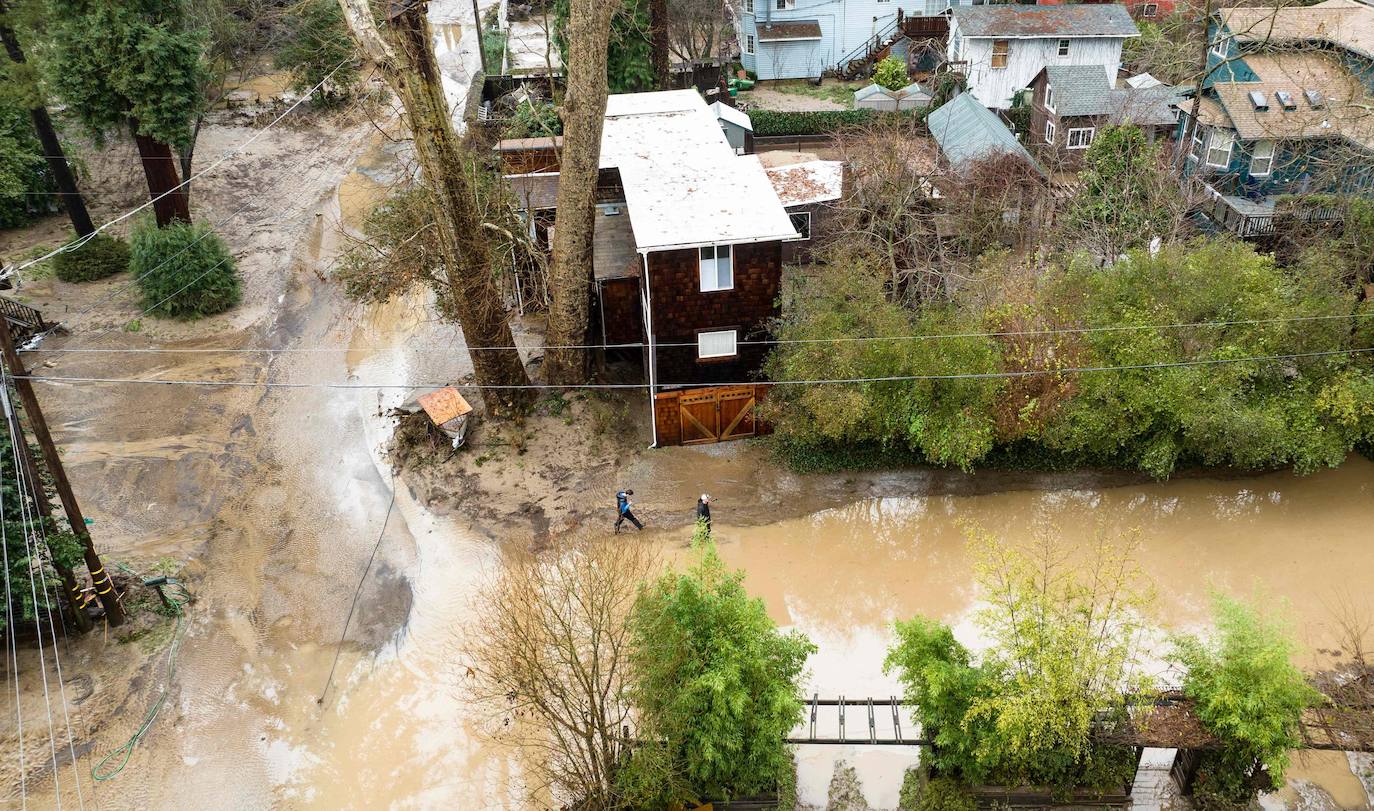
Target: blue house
x,y
1284,110
801,39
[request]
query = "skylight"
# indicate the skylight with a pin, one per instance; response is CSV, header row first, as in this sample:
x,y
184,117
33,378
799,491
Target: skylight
x,y
1314,98
1258,100
1285,99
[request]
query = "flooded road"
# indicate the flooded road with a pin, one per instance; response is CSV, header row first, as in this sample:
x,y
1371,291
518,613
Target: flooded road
x,y
842,575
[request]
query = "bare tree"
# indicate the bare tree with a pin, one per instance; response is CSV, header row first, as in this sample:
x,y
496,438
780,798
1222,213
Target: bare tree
x,y
406,60
584,111
697,29
551,650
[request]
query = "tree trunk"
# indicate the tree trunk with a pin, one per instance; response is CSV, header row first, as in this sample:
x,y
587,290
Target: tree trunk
x,y
413,73
584,111
658,42
188,155
72,200
160,169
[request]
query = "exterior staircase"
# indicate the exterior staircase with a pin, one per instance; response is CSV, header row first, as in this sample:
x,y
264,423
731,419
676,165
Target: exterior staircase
x,y
858,63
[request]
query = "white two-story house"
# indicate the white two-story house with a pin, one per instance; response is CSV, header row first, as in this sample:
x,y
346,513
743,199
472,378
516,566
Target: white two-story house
x,y
799,39
1001,48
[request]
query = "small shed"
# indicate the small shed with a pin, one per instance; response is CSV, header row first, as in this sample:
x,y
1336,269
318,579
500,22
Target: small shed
x,y
448,410
738,129
875,97
912,97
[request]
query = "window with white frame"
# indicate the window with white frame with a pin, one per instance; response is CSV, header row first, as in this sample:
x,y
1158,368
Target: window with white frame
x,y
717,344
1049,97
1149,9
1219,148
1063,47
717,268
1262,159
1222,46
1001,52
1199,141
748,6
748,43
801,221
1081,137
1049,132
784,5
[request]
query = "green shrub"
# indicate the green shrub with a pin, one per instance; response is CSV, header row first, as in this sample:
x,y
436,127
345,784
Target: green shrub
x,y
98,257
319,41
891,73
814,122
944,794
183,270
533,120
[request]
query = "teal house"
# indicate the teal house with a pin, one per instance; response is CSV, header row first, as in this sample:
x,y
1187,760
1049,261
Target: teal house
x,y
1286,109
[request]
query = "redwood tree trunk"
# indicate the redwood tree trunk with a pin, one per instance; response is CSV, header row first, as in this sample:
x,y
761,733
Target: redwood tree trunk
x,y
584,111
170,200
72,200
475,299
658,41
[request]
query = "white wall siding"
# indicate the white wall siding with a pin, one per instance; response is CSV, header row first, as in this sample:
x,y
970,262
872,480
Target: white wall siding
x,y
995,87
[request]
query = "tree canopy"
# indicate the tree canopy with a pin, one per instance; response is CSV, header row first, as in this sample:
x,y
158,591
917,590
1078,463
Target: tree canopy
x,y
121,61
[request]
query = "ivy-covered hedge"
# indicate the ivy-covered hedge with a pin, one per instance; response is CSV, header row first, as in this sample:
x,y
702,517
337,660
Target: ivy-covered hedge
x,y
819,122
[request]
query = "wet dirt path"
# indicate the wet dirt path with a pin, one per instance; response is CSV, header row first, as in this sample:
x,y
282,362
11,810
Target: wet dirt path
x,y
843,574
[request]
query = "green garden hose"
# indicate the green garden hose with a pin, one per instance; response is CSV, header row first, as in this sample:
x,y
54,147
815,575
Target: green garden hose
x,y
177,597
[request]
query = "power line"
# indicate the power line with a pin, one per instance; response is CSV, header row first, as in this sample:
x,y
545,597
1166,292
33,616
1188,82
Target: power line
x,y
807,382
759,342
186,182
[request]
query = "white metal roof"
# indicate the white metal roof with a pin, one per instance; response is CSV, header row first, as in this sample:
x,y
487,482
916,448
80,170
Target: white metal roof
x,y
799,184
684,184
733,115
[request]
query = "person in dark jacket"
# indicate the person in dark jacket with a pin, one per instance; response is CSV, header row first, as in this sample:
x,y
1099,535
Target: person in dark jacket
x,y
622,510
704,511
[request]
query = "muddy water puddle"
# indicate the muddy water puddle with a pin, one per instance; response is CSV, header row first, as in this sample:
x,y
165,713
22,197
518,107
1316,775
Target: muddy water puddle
x,y
843,575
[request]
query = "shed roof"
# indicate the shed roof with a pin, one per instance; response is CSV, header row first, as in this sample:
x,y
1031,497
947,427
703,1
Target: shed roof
x,y
535,191
787,30
684,185
799,184
1346,23
967,131
1032,22
870,90
1344,111
733,115
1080,89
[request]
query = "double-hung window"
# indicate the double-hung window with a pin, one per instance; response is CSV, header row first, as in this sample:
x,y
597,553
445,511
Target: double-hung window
x,y
1262,159
1001,52
748,43
717,268
1063,47
1149,10
717,344
1081,137
1049,97
784,5
748,6
1219,148
1049,132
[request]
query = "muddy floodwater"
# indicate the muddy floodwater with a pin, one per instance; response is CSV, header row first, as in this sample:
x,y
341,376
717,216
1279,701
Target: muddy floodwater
x,y
842,575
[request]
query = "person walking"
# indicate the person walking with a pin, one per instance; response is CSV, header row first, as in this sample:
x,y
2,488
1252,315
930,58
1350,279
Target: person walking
x,y
622,510
704,511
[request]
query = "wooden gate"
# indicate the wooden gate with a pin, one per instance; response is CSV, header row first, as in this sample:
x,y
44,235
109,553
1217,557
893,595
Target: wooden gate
x,y
707,415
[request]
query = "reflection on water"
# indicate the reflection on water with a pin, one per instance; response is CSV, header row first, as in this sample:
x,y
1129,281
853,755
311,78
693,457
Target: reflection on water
x,y
843,575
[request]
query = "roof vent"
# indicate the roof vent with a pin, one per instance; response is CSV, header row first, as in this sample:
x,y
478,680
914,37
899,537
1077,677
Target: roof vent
x,y
1257,99
1314,98
1286,100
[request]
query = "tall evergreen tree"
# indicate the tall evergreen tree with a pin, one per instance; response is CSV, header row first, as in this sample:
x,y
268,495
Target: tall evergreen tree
x,y
134,63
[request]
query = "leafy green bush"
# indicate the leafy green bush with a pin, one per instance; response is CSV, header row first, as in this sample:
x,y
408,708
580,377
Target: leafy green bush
x,y
813,122
716,687
1169,396
535,120
944,794
98,257
319,41
891,73
183,270
1250,695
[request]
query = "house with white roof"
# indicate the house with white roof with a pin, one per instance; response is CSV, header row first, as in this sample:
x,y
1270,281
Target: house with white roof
x,y
1001,48
687,258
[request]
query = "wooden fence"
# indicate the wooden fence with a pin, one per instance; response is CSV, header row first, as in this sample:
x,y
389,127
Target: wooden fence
x,y
702,416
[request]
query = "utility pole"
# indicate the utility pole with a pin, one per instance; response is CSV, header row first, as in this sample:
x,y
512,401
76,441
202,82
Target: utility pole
x,y
104,587
481,52
24,462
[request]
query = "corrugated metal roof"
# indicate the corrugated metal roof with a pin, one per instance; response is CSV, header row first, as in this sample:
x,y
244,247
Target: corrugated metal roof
x,y
967,131
1027,22
788,30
